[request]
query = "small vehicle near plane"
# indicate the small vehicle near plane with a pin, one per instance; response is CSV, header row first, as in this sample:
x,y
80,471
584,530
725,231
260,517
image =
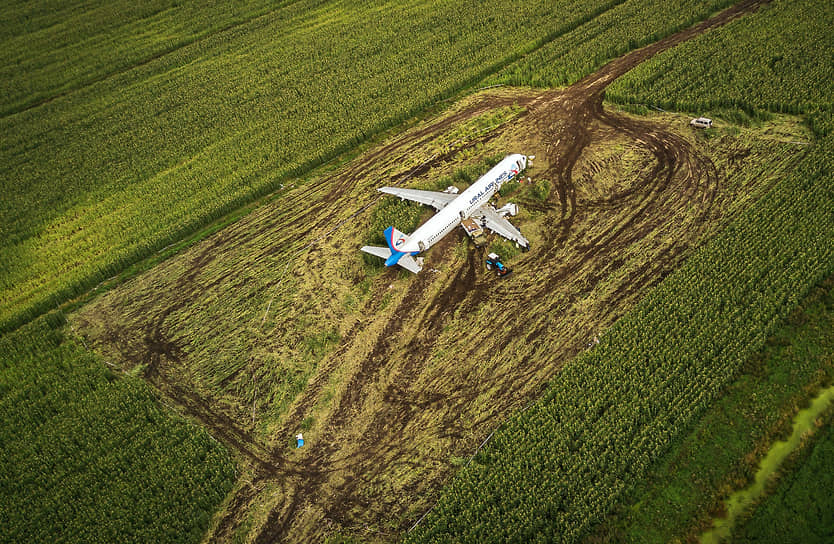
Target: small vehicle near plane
x,y
493,262
701,122
474,231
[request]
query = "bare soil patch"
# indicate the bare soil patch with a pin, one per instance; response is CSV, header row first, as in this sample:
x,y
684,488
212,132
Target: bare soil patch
x,y
423,367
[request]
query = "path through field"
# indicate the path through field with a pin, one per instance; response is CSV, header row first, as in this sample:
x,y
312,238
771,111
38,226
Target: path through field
x,y
425,367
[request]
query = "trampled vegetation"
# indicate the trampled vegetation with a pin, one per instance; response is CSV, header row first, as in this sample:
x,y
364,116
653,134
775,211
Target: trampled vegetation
x,y
614,411
126,164
111,157
650,376
223,319
137,147
91,456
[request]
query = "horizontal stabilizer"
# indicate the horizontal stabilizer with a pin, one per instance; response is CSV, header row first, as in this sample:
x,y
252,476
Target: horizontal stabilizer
x,y
406,261
410,263
382,252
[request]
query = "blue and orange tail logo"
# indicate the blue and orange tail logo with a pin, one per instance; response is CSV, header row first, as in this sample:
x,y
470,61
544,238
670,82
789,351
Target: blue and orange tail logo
x,y
395,240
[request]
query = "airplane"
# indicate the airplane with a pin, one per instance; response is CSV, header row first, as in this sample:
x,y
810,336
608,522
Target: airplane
x,y
452,208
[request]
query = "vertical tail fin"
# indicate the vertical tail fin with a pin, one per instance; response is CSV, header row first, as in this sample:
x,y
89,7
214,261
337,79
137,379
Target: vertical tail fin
x,y
392,255
395,239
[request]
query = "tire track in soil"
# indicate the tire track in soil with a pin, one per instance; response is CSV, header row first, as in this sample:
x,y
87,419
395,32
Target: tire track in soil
x,y
564,118
459,287
568,121
315,471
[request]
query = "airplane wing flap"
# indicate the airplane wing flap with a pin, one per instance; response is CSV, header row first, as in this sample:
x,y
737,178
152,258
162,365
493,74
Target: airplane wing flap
x,y
434,199
500,226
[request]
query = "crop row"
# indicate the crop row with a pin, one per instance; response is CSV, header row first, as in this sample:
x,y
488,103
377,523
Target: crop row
x,y
49,50
620,27
556,469
90,457
785,68
113,170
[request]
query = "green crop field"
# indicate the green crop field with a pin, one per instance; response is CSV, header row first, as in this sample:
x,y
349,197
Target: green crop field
x,y
89,456
143,143
245,141
622,27
800,508
784,66
663,365
52,49
683,491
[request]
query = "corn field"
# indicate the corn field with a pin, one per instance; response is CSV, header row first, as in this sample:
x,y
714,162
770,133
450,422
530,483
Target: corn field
x,y
127,128
89,456
554,471
786,67
614,29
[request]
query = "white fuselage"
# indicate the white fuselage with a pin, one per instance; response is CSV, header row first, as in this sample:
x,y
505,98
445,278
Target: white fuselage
x,y
475,196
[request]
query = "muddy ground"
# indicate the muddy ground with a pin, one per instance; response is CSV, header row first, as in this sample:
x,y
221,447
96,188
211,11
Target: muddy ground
x,y
276,324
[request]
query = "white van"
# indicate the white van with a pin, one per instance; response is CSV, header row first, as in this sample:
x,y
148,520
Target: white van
x,y
701,122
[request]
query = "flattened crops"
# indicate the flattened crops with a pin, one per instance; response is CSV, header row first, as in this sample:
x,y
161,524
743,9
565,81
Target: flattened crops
x,y
179,116
275,324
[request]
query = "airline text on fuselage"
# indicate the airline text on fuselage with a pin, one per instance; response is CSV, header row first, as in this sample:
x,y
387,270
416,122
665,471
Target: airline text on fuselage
x,y
485,190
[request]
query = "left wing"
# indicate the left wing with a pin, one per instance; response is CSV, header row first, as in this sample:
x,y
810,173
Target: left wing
x,y
381,252
497,224
434,199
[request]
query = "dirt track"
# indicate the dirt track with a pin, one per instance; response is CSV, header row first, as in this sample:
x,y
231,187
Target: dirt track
x,y
383,446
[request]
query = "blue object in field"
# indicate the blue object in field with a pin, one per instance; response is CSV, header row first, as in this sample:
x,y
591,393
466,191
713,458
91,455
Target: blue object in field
x,y
494,261
299,440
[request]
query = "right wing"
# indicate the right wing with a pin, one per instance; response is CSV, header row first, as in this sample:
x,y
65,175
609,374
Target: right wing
x,y
497,224
434,199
